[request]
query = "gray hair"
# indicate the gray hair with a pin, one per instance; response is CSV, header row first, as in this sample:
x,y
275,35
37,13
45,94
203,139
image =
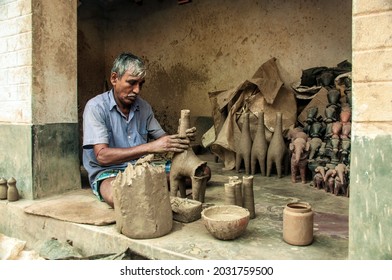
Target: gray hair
x,y
129,62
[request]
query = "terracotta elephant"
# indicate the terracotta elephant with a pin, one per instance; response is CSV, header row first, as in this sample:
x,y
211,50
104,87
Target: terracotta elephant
x,y
299,158
318,178
329,180
341,180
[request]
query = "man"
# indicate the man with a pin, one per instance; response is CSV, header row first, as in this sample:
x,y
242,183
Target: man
x,y
117,127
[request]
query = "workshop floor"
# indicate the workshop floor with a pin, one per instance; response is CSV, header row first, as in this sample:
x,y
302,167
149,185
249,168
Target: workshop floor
x,y
262,239
264,233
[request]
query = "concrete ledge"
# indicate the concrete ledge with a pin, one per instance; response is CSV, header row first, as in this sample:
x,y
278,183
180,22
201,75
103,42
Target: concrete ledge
x,y
91,240
261,241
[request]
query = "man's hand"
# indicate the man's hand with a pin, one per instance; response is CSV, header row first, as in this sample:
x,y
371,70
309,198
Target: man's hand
x,y
191,133
170,143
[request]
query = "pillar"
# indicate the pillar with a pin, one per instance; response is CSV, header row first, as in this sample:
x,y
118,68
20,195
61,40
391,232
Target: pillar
x,y
370,210
38,103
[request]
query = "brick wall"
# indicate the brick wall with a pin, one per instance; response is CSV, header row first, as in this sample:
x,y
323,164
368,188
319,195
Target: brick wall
x,y
15,61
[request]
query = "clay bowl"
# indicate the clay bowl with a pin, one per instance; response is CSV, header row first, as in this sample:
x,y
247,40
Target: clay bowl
x,y
225,222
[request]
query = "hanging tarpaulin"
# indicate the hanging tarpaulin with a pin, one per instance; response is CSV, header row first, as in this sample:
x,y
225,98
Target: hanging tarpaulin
x,y
266,92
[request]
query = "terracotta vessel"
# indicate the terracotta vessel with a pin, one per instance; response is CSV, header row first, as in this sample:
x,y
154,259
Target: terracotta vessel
x,y
349,97
345,114
345,154
326,78
346,130
12,192
298,224
230,193
243,149
317,130
277,148
315,144
336,129
225,222
3,188
333,96
248,195
238,192
259,147
330,114
312,114
187,164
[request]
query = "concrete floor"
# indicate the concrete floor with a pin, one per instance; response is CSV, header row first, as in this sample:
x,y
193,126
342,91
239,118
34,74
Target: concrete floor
x,y
262,239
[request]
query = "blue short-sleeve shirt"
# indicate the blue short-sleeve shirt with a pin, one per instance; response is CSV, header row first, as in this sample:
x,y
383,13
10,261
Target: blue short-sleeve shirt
x,y
104,123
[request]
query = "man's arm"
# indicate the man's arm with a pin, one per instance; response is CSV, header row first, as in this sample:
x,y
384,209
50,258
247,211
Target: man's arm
x,y
168,143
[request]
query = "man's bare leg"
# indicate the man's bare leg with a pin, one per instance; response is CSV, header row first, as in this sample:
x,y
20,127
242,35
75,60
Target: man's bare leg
x,y
106,190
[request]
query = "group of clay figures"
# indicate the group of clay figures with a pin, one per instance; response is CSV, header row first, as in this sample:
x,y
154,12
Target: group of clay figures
x,y
8,189
322,146
327,144
259,151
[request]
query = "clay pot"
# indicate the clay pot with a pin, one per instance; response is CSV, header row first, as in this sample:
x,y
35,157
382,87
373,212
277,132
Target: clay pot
x,y
225,222
346,131
349,97
248,195
315,144
3,188
298,224
333,96
330,114
316,130
230,193
312,114
345,115
326,78
336,129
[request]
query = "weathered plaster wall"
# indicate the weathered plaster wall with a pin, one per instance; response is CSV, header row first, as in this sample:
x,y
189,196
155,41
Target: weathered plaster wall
x,y
54,61
38,113
91,75
206,46
15,61
371,152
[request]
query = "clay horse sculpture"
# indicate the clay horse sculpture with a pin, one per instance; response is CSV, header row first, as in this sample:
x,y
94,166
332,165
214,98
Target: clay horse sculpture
x,y
187,164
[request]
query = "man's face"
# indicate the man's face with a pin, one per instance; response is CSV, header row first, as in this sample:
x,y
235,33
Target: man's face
x,y
126,88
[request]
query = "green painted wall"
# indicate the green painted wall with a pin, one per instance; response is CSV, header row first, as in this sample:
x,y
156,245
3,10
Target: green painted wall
x,y
370,198
56,165
16,156
43,158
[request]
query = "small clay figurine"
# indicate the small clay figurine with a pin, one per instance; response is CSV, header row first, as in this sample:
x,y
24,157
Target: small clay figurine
x,y
12,192
277,149
259,147
318,179
3,188
244,146
299,159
